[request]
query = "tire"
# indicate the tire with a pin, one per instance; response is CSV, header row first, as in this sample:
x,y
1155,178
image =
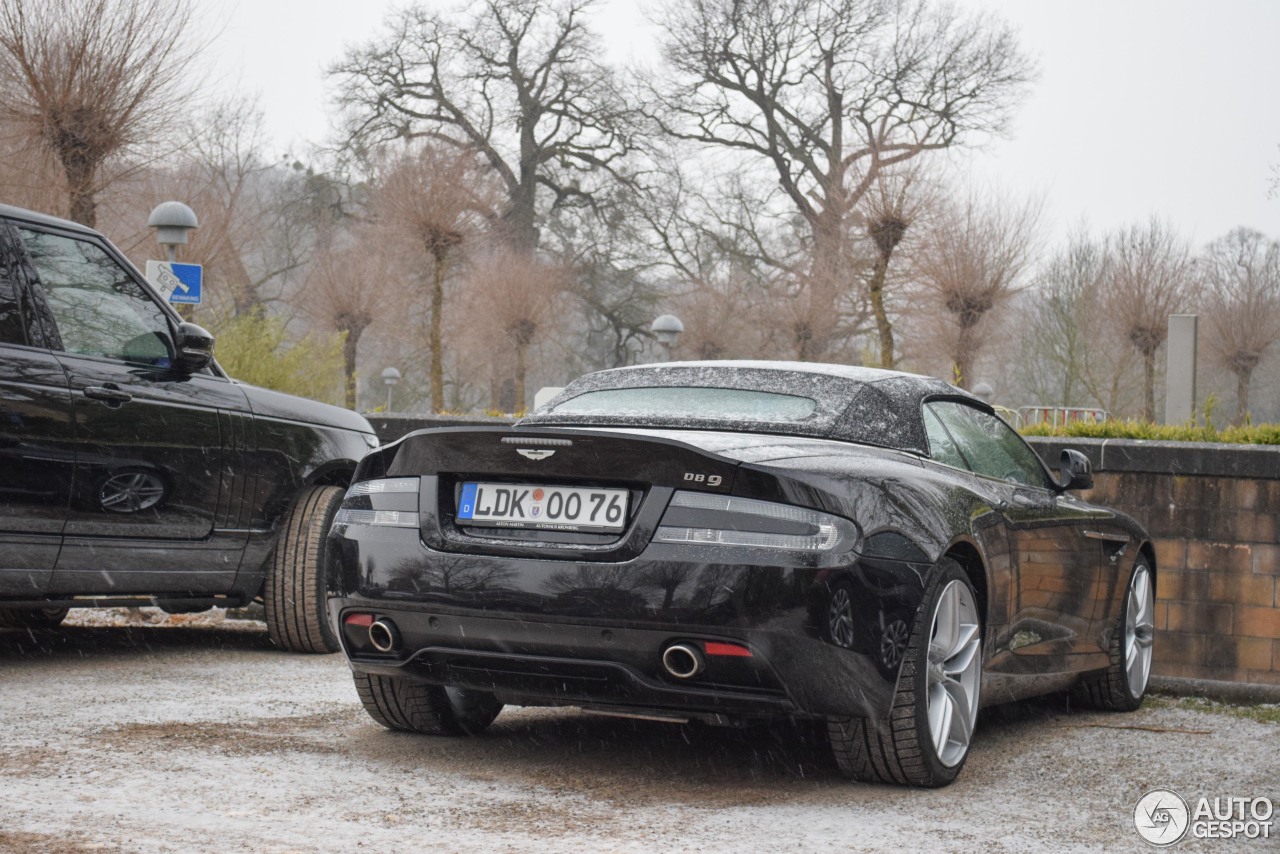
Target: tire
x,y
293,594
1123,685
400,704
39,618
906,748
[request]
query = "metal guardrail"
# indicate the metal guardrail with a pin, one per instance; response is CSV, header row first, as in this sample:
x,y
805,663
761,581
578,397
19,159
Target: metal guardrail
x,y
1056,416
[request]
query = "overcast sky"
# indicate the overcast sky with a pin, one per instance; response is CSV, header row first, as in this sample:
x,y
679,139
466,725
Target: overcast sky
x,y
1143,107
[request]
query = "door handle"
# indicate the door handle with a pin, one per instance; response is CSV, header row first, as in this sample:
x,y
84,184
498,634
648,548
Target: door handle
x,y
109,394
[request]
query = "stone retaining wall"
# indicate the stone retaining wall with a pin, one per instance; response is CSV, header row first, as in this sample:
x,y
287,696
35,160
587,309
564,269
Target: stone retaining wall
x,y
1212,513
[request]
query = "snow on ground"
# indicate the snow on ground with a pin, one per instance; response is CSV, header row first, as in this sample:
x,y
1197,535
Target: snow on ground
x,y
197,735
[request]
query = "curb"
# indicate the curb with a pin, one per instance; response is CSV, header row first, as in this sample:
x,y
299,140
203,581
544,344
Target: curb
x,y
1240,693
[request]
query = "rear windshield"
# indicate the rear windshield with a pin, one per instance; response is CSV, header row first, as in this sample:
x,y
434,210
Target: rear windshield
x,y
683,402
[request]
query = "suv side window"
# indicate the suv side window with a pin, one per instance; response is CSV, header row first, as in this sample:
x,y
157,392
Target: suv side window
x,y
989,445
98,307
14,313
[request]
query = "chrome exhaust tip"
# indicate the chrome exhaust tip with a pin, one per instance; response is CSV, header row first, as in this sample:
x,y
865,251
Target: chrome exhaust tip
x,y
683,661
384,636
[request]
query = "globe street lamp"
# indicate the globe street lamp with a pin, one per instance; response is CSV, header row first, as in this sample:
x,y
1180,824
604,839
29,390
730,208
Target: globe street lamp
x,y
390,376
666,329
172,221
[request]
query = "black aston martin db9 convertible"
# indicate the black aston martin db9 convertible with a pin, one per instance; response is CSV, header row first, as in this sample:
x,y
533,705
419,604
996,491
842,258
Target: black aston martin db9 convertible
x,y
732,542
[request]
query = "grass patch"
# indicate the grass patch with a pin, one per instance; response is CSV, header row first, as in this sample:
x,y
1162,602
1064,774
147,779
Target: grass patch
x,y
1265,713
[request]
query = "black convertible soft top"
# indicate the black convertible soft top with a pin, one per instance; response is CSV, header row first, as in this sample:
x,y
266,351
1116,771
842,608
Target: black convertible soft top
x,y
865,405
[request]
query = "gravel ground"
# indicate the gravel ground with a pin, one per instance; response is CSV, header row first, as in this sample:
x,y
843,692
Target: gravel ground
x,y
196,735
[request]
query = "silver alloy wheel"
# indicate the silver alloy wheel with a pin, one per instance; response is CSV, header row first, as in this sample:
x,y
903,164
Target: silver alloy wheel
x,y
131,492
955,672
1139,631
840,617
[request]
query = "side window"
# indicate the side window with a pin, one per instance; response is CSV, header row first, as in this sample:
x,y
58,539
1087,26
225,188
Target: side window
x,y
98,307
941,447
990,446
13,316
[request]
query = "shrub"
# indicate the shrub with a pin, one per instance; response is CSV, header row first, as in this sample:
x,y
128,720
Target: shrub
x,y
1249,434
256,348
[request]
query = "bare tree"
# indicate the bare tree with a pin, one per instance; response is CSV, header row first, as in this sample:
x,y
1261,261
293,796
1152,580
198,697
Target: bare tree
x,y
1241,277
1149,278
513,301
725,318
92,79
438,198
353,284
827,93
726,256
518,81
29,175
889,208
1061,318
970,263
612,279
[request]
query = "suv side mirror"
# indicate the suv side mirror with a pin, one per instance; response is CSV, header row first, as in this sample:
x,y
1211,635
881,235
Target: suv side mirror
x,y
1074,471
195,348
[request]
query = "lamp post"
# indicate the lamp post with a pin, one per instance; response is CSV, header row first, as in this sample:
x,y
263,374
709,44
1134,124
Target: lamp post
x,y
172,221
390,376
666,329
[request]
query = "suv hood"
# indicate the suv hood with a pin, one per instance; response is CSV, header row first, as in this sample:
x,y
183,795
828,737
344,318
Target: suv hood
x,y
287,407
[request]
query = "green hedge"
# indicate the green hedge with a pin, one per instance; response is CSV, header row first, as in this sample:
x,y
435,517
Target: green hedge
x,y
1250,434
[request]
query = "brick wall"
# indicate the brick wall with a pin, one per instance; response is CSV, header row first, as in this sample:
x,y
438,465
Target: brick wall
x,y
1212,513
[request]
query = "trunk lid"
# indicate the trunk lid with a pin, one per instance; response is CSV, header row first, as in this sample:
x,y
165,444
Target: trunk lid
x,y
648,467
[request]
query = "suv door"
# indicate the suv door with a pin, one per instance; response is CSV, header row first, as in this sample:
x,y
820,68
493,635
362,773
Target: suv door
x,y
150,440
37,454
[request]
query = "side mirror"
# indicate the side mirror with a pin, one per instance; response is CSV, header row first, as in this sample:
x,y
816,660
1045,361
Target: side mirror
x,y
195,348
1074,471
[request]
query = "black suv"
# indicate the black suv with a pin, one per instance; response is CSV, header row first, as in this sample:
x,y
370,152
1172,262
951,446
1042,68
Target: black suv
x,y
133,471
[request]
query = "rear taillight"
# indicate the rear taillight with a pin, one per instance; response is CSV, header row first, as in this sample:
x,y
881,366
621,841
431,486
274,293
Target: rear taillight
x,y
384,485
388,502
703,518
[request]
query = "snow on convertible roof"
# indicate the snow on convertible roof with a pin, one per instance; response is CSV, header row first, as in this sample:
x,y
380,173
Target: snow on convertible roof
x,y
865,405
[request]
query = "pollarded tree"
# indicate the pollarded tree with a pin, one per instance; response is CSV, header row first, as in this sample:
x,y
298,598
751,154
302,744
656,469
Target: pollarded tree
x,y
353,283
1149,277
891,206
92,79
29,176
513,302
1241,277
970,263
520,82
439,198
825,94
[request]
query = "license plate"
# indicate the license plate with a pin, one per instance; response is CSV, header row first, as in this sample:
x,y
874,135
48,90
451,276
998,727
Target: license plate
x,y
548,508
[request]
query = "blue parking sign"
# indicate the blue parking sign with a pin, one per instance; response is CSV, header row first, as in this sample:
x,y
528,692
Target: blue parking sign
x,y
190,278
178,283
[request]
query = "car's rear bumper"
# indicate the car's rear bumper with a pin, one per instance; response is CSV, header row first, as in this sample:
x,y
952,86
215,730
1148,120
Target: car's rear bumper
x,y
542,629
534,661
